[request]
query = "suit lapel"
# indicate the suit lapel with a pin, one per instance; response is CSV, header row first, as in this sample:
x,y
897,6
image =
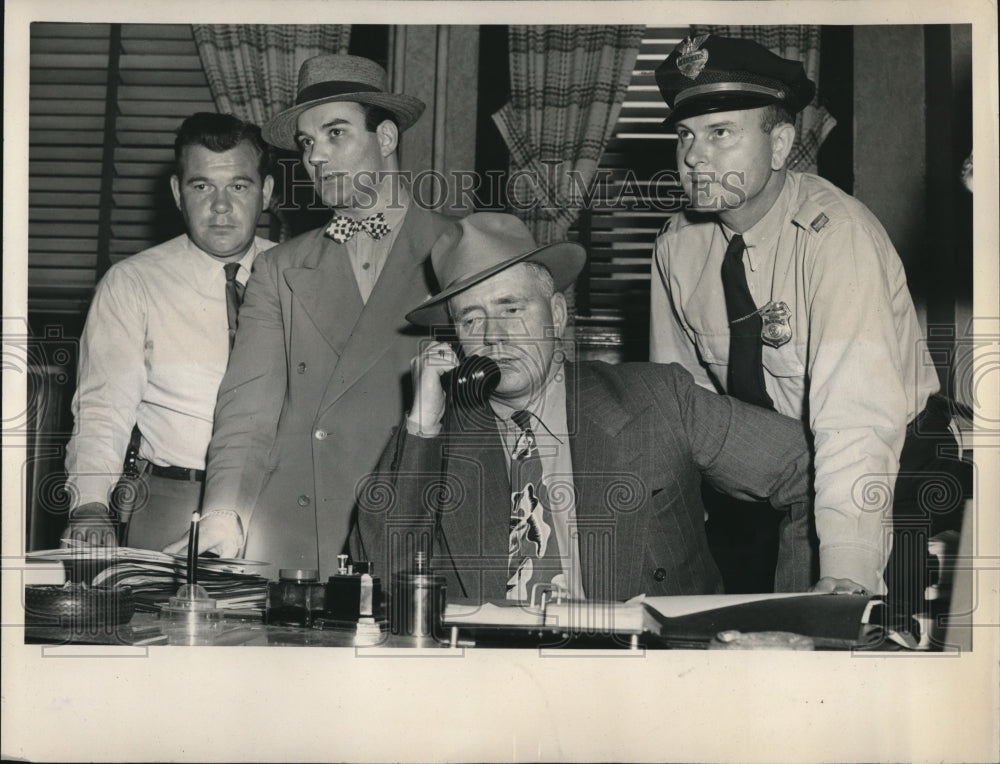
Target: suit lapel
x,y
477,530
400,286
326,289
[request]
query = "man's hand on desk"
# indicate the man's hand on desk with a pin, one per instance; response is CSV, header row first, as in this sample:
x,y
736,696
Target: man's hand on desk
x,y
220,532
91,524
829,584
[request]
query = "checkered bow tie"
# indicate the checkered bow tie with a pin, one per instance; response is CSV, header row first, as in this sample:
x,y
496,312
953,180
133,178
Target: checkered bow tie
x,y
342,228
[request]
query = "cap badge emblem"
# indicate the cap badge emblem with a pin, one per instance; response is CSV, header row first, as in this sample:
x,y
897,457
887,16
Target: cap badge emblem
x,y
692,59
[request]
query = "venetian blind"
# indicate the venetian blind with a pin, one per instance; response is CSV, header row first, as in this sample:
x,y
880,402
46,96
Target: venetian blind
x,y
105,103
636,190
68,100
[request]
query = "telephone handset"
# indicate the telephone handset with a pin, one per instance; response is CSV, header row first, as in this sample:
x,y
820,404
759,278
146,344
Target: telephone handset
x,y
472,382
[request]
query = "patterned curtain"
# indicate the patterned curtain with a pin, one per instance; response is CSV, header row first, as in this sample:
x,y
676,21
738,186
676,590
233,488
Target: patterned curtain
x,y
567,87
814,123
253,69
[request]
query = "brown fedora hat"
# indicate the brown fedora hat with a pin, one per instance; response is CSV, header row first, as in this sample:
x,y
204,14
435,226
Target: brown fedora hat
x,y
327,78
483,244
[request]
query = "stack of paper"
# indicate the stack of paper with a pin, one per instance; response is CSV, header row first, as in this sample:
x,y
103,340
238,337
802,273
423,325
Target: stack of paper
x,y
573,616
832,621
154,577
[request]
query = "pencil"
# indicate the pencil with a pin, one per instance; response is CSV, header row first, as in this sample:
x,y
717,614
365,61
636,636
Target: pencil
x,y
193,550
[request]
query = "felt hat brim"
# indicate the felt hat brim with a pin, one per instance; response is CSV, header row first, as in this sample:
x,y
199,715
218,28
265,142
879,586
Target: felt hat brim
x,y
564,260
280,131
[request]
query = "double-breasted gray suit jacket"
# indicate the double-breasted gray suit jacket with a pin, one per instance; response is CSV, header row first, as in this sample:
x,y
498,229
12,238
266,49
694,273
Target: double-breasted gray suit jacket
x,y
315,383
641,438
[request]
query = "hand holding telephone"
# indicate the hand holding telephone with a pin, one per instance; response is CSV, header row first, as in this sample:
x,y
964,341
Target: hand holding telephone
x,y
472,382
442,377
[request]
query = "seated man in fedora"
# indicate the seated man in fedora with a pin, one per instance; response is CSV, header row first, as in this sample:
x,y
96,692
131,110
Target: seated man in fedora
x,y
316,378
583,475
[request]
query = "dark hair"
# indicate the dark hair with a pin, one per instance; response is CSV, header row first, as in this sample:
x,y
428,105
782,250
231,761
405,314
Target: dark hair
x,y
376,115
774,115
222,132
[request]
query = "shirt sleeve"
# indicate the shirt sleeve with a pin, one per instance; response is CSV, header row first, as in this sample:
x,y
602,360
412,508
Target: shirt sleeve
x,y
111,381
857,400
669,341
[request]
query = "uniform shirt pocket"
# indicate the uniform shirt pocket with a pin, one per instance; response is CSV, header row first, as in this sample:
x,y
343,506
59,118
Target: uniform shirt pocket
x,y
713,348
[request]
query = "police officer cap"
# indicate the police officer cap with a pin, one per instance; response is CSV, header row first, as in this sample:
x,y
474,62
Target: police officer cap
x,y
709,73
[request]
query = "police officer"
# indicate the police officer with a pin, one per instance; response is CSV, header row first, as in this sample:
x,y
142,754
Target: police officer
x,y
778,288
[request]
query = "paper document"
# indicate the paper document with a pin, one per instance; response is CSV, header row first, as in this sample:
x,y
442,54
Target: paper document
x,y
672,607
573,615
155,576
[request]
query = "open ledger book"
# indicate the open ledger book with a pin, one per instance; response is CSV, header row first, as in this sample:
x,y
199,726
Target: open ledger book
x,y
831,620
155,576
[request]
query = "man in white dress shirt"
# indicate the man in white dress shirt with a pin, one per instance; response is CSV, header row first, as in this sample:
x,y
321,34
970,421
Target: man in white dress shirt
x,y
157,341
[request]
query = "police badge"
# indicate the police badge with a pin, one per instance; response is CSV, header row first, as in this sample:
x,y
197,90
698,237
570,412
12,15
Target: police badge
x,y
691,60
775,329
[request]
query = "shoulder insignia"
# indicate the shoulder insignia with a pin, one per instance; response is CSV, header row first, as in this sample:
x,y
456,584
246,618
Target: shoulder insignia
x,y
819,222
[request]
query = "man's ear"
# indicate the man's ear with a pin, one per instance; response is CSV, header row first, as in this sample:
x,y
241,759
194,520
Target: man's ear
x,y
560,312
175,186
388,137
782,140
266,190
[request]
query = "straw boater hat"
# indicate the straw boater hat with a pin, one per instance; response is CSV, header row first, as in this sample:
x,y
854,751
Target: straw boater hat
x,y
327,78
483,244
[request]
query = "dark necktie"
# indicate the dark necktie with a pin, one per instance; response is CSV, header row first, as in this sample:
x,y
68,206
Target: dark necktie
x,y
533,552
746,370
343,228
234,298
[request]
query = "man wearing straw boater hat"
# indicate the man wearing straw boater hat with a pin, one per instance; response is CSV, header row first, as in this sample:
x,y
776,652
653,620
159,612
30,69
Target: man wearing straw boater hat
x,y
586,476
315,382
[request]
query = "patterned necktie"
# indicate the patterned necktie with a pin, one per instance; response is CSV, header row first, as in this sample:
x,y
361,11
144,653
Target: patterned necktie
x,y
532,544
746,369
343,228
234,298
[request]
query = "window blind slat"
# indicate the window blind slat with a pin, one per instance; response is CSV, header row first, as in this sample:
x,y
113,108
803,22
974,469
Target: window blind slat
x,y
160,82
97,61
63,214
46,30
627,211
157,63
57,183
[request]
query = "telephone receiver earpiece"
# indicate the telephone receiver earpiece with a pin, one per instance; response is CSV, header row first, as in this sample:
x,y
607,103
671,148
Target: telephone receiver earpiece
x,y
472,382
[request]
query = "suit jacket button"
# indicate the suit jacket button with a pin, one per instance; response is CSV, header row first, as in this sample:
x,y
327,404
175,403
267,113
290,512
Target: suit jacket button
x,y
304,500
302,368
320,434
659,574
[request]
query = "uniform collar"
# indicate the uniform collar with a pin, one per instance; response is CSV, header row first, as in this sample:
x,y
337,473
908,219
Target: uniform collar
x,y
762,237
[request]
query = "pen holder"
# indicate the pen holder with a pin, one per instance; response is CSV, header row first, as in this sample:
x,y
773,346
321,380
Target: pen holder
x,y
191,617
